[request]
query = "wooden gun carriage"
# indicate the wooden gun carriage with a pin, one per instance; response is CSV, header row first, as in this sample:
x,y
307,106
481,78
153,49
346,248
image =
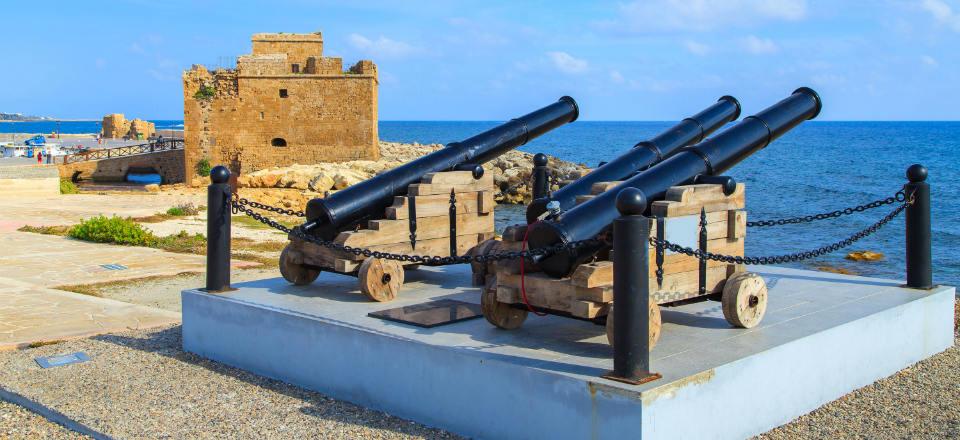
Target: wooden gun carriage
x,y
587,294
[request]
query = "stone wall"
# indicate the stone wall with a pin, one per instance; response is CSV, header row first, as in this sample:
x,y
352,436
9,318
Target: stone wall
x,y
263,115
169,164
115,126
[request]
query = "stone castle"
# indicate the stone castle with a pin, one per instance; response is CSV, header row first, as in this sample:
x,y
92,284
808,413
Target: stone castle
x,y
284,103
116,126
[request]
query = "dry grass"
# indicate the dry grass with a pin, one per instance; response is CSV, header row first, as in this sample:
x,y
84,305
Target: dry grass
x,y
248,244
97,289
156,218
46,230
44,343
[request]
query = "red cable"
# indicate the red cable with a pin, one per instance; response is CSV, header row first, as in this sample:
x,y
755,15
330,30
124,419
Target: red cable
x,y
523,287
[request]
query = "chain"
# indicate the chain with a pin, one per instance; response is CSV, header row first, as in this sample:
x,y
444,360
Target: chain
x,y
900,196
779,259
242,201
432,260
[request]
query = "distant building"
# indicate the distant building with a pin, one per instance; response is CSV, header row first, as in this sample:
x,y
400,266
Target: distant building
x,y
283,104
116,126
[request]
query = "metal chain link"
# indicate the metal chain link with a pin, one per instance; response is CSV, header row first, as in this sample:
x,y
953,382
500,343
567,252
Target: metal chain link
x,y
242,201
779,259
239,205
900,196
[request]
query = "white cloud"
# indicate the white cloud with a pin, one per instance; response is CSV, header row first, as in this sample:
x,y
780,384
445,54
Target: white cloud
x,y
136,48
759,46
382,47
703,15
696,48
616,77
928,60
567,63
943,13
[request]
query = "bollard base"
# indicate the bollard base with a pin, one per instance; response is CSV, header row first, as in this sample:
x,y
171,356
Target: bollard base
x,y
823,336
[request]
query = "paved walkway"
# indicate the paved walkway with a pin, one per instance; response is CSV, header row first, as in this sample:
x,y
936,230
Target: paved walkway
x,y
31,311
31,314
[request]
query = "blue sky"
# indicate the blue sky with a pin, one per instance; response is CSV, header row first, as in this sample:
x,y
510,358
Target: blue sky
x,y
490,60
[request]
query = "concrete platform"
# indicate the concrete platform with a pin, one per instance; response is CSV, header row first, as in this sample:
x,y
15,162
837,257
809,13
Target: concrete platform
x,y
824,335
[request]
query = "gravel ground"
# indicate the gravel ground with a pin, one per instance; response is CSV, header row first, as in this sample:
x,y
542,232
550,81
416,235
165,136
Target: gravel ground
x,y
19,423
141,385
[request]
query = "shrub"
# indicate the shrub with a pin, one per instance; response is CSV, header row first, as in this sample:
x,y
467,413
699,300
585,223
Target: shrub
x,y
114,229
183,209
203,167
68,187
205,92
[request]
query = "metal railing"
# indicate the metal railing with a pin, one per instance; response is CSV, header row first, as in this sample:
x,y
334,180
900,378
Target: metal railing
x,y
129,150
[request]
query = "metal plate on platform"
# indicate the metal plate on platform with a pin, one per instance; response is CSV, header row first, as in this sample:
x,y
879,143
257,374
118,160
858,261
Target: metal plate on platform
x,y
431,314
62,359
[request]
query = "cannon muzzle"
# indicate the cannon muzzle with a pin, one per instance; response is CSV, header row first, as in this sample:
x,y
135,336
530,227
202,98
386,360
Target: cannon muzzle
x,y
368,199
644,154
710,157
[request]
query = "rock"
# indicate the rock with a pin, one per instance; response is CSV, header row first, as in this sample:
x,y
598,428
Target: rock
x,y
864,256
153,187
835,269
320,183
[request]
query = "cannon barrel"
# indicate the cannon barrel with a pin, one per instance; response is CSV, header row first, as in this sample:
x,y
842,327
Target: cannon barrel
x,y
688,131
710,157
367,200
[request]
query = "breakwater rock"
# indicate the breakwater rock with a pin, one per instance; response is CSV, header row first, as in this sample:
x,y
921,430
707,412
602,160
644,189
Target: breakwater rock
x,y
511,175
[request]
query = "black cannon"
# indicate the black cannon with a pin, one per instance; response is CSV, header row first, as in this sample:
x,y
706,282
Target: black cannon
x,y
644,154
708,158
366,200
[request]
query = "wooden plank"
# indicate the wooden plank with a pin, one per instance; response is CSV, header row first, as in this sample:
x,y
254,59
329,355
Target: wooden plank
x,y
342,265
435,246
736,224
601,187
486,203
542,290
398,231
685,285
437,205
600,273
317,255
588,309
595,274
426,189
456,178
689,199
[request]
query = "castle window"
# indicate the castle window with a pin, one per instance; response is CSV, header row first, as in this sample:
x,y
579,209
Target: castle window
x,y
283,93
278,142
295,67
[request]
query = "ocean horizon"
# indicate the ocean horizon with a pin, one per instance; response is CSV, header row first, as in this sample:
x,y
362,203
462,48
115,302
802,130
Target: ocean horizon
x,y
820,166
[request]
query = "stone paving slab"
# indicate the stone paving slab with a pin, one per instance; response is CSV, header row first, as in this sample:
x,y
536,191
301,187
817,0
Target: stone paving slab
x,y
31,314
50,261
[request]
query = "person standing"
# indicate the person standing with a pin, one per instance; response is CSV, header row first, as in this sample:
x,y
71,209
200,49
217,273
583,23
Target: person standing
x,y
39,157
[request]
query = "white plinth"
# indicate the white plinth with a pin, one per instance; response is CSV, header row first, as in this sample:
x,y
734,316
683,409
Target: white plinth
x,y
823,336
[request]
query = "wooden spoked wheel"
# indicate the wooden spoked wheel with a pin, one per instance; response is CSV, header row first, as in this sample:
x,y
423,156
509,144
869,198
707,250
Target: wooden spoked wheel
x,y
744,299
655,324
293,272
380,279
498,313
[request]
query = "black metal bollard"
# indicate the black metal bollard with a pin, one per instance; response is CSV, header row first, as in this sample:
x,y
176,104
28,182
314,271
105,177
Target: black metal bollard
x,y
541,176
631,290
218,230
919,259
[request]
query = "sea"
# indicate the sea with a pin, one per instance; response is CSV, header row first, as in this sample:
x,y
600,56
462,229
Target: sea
x,y
820,166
